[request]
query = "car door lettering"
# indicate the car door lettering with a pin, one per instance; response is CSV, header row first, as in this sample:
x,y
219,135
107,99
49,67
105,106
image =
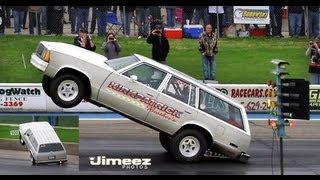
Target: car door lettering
x,y
152,104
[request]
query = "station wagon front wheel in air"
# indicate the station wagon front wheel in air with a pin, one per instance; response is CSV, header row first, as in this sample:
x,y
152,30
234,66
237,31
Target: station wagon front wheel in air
x,y
67,90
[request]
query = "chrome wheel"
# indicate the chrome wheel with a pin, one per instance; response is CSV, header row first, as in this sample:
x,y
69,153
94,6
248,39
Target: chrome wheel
x,y
189,146
68,90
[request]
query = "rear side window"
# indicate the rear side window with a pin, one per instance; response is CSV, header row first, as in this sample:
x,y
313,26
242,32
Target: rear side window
x,y
50,147
220,109
123,62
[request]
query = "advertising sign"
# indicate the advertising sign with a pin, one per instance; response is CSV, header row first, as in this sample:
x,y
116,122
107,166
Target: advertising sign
x,y
251,14
314,98
252,96
28,97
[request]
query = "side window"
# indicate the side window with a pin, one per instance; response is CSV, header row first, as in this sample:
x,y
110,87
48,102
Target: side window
x,y
220,109
178,89
147,75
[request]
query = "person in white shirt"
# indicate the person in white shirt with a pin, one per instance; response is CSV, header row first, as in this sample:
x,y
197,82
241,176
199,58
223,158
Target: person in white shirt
x,y
215,11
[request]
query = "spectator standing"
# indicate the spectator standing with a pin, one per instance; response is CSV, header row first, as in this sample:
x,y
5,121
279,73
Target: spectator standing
x,y
187,14
44,18
313,19
25,13
171,16
208,48
2,20
102,19
215,11
34,19
155,12
143,14
82,17
84,40
7,20
128,14
295,20
276,20
93,19
18,12
160,44
55,20
201,12
313,52
72,11
111,47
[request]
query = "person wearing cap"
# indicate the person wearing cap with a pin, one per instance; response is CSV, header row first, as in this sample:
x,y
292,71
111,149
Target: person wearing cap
x,y
160,44
313,53
84,40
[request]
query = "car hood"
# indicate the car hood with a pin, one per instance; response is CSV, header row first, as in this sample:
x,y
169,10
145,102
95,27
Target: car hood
x,y
74,51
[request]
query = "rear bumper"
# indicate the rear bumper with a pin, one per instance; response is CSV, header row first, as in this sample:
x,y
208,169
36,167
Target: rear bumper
x,y
51,161
38,63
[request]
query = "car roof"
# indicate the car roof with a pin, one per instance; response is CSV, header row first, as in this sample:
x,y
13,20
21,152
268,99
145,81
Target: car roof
x,y
188,78
42,131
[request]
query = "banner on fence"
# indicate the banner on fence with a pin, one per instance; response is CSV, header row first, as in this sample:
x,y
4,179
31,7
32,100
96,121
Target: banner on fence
x,y
251,14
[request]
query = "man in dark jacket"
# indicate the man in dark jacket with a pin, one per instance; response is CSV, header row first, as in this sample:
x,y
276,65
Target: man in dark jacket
x,y
160,44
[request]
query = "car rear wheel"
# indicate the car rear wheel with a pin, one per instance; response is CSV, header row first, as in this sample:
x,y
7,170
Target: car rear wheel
x,y
21,140
165,141
46,84
188,146
67,90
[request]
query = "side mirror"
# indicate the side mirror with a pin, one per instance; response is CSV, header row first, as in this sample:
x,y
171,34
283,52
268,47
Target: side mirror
x,y
133,78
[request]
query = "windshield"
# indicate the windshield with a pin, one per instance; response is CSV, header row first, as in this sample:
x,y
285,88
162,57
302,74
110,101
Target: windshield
x,y
120,63
50,147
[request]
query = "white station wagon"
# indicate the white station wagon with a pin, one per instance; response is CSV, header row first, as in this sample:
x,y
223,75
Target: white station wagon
x,y
42,142
192,118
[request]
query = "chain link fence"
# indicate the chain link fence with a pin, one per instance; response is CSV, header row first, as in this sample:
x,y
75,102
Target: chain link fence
x,y
138,20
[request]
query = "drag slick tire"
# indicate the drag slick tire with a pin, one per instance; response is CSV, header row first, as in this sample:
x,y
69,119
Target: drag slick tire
x,y
46,80
67,90
188,145
165,141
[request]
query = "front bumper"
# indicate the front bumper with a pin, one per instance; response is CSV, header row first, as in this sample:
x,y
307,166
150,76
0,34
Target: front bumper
x,y
38,63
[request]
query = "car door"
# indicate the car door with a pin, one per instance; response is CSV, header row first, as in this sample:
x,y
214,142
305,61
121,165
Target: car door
x,y
178,99
132,91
